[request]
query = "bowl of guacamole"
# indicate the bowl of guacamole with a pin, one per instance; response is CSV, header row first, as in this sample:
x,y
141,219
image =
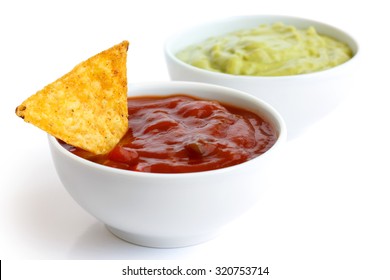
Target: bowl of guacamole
x,y
302,67
275,49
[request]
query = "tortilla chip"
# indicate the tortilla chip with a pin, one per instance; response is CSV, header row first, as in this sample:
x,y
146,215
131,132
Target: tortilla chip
x,y
86,107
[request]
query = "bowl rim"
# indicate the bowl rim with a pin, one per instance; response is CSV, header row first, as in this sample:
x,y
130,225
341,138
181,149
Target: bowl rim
x,y
169,54
54,144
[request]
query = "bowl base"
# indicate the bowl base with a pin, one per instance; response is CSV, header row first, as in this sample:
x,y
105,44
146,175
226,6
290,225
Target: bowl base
x,y
161,242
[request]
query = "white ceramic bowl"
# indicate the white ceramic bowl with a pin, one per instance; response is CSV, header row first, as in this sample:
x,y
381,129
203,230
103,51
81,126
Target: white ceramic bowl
x,y
300,99
170,210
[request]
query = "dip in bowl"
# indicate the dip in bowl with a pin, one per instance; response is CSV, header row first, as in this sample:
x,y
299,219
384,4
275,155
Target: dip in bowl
x,y
171,209
301,67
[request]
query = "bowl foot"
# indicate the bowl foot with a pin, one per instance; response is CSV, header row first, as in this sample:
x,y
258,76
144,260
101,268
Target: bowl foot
x,y
160,241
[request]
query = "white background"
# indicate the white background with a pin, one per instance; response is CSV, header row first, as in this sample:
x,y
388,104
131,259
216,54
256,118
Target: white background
x,y
325,217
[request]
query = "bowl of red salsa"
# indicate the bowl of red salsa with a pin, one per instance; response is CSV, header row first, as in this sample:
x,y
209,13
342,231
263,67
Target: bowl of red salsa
x,y
195,158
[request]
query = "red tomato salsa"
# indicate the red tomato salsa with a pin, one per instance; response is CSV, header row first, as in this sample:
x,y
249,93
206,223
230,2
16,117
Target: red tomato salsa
x,y
179,134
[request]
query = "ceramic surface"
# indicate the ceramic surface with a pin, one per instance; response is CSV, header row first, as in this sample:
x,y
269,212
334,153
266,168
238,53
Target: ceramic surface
x,y
170,210
301,99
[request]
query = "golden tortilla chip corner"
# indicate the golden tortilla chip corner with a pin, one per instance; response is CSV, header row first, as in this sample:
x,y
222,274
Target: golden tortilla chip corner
x,y
86,107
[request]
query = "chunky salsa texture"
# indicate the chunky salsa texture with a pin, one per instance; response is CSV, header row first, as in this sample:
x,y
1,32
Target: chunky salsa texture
x,y
180,134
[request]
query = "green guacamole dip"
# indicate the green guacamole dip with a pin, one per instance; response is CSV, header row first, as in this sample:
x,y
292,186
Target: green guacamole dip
x,y
268,50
